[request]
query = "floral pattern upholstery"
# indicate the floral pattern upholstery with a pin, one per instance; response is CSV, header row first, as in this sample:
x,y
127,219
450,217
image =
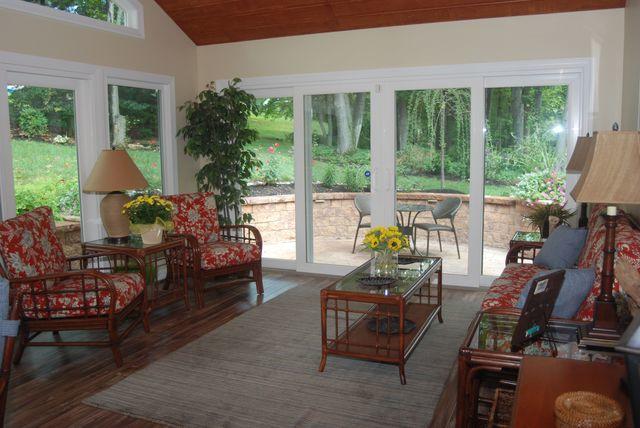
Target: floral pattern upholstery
x,y
70,301
29,246
505,290
195,214
228,253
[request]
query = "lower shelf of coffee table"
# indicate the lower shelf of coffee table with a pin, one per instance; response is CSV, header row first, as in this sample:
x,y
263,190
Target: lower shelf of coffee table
x,y
360,342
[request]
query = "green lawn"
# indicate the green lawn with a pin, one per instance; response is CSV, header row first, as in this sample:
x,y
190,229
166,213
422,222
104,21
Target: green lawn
x,y
46,174
272,131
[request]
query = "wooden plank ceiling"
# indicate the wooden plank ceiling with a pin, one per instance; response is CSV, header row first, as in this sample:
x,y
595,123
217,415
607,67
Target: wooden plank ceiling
x,y
222,21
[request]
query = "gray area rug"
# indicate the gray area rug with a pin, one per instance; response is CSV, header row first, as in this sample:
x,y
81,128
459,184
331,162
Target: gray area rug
x,y
260,369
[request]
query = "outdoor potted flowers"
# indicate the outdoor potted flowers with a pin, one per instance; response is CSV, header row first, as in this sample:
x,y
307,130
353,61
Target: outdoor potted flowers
x,y
149,217
385,243
540,215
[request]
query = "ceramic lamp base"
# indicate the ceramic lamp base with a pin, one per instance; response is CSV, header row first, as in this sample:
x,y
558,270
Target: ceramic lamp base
x,y
115,223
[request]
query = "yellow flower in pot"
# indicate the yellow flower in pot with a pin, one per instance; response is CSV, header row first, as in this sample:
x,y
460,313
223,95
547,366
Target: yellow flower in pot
x,y
149,217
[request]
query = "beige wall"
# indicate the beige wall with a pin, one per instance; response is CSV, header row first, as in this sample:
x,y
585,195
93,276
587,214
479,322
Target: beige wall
x,y
631,76
596,34
164,50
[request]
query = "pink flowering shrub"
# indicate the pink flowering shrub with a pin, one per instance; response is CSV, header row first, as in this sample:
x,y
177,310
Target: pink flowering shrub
x,y
542,187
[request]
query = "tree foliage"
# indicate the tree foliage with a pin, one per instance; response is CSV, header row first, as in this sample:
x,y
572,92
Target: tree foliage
x,y
217,133
103,10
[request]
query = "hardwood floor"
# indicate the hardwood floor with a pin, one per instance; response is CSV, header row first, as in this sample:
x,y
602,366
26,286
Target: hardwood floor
x,y
48,386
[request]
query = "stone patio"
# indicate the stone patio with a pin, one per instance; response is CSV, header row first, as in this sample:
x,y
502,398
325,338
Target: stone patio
x,y
338,252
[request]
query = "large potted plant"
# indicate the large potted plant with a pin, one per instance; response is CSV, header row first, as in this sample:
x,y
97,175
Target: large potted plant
x,y
217,133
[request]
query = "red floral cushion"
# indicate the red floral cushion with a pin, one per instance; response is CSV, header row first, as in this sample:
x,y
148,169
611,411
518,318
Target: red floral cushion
x,y
195,214
505,290
29,246
627,247
227,253
71,303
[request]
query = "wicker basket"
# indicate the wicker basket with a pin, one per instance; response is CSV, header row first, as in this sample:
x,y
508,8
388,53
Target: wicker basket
x,y
582,409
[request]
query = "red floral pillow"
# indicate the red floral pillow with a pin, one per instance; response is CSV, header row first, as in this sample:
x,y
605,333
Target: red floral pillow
x,y
29,246
195,214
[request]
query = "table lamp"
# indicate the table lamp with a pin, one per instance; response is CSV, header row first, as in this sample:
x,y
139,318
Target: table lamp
x,y
610,175
114,172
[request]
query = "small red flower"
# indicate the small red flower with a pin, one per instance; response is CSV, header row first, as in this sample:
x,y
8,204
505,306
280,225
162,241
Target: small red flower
x,y
271,149
277,144
154,165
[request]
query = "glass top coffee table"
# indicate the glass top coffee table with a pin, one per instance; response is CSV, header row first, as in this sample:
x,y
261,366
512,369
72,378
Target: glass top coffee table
x,y
381,323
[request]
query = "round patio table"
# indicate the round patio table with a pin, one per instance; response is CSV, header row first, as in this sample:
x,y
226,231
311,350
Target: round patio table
x,y
407,227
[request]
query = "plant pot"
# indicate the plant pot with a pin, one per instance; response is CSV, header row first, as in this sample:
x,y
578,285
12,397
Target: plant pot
x,y
151,234
385,264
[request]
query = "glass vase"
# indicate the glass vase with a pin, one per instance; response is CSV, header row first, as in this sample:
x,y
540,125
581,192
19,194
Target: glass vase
x,y
385,264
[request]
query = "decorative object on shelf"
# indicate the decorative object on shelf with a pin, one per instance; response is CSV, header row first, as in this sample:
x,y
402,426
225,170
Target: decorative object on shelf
x,y
382,325
217,132
540,215
610,175
385,242
149,217
587,409
113,173
376,281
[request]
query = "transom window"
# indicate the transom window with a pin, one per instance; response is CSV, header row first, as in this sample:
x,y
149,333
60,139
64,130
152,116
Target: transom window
x,y
121,16
103,10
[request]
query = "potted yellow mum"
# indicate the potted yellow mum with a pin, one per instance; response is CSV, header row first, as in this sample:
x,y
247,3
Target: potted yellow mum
x,y
385,243
149,217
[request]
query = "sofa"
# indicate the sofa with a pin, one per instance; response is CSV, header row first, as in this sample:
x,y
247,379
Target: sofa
x,y
505,290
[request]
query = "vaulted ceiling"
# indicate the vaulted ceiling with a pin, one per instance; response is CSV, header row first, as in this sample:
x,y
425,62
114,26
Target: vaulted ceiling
x,y
223,21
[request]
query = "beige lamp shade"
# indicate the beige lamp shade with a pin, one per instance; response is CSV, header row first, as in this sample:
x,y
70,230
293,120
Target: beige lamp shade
x,y
579,156
114,171
611,172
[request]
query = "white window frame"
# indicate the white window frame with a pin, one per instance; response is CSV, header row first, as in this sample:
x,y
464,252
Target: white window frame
x,y
134,25
576,72
93,132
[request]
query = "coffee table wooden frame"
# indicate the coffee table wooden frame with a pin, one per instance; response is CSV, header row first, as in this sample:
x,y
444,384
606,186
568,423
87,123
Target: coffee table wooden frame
x,y
355,340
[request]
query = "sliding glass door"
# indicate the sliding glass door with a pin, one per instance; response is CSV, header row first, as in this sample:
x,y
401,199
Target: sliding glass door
x,y
339,202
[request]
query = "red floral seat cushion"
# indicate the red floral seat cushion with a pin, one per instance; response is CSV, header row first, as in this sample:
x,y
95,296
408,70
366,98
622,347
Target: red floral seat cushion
x,y
195,214
71,303
29,246
505,290
220,254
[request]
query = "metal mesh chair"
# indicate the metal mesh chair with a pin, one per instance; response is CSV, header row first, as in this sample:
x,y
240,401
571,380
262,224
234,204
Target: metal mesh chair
x,y
445,209
363,205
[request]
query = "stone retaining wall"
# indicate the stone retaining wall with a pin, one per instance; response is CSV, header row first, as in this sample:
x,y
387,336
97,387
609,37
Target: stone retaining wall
x,y
335,216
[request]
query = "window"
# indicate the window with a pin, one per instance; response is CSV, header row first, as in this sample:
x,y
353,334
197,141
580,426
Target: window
x,y
134,118
122,16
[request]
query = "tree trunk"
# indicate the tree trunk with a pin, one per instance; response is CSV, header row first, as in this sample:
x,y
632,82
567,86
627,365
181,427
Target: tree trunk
x,y
118,122
443,145
343,119
358,118
517,114
402,125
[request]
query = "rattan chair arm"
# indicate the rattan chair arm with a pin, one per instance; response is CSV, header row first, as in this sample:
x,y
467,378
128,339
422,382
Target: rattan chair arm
x,y
253,231
516,249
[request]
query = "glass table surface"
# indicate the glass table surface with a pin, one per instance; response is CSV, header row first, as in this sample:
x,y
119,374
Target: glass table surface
x,y
522,236
134,242
410,270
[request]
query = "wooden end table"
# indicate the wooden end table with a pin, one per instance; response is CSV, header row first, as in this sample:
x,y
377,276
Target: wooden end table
x,y
485,360
164,264
541,380
522,238
360,313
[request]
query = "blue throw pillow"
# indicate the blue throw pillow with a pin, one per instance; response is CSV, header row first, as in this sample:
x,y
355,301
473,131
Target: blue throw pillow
x,y
562,248
575,289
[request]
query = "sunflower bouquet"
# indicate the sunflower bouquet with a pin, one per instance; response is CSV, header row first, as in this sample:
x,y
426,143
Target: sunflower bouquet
x,y
385,239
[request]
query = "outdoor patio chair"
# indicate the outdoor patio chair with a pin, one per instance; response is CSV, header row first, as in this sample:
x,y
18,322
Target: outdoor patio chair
x,y
8,330
363,205
55,293
212,250
445,209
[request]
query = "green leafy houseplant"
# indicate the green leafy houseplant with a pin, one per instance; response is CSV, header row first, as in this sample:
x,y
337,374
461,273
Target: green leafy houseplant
x,y
217,132
539,217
